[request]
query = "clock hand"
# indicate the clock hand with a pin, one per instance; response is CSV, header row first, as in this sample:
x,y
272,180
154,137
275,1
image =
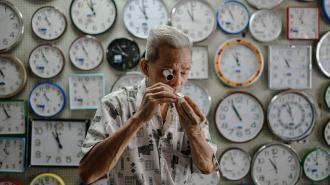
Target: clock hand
x,y
273,164
56,137
190,15
1,73
90,5
231,14
46,97
44,56
47,20
237,59
6,151
286,62
84,49
85,87
289,110
4,110
235,110
121,50
143,10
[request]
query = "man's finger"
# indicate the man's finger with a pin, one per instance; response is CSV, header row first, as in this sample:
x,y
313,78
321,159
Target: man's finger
x,y
194,107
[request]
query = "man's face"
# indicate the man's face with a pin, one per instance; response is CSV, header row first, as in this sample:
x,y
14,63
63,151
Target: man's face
x,y
177,59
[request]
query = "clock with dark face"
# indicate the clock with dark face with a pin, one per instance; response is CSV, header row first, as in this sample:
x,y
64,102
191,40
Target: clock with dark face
x,y
123,54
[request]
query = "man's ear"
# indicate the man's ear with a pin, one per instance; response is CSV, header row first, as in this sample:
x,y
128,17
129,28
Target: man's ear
x,y
144,65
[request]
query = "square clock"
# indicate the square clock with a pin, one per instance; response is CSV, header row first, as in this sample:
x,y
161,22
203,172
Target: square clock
x,y
12,154
303,23
57,142
13,117
199,65
290,67
86,90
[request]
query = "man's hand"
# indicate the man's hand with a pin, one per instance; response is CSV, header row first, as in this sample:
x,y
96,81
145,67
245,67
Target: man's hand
x,y
191,117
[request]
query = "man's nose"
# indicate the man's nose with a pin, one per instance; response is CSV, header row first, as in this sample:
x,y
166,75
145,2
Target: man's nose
x,y
176,81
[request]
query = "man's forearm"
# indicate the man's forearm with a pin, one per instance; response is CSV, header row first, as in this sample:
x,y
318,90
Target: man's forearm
x,y
105,155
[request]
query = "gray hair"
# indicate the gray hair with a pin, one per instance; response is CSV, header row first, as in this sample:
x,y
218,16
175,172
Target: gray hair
x,y
168,36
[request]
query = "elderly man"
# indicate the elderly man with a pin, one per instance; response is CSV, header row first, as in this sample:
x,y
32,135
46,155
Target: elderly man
x,y
149,133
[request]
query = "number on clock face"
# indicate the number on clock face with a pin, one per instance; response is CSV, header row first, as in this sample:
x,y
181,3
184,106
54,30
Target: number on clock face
x,y
239,117
57,142
275,164
291,115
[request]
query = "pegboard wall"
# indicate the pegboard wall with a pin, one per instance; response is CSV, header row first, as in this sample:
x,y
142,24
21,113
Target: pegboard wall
x,y
217,90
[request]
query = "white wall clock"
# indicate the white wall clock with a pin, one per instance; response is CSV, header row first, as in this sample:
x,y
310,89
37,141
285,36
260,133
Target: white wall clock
x,y
140,16
57,142
48,23
326,96
326,133
86,90
264,4
239,117
86,53
12,154
12,33
316,164
290,67
303,23
13,117
47,99
46,61
93,16
326,9
47,179
323,54
195,18
238,63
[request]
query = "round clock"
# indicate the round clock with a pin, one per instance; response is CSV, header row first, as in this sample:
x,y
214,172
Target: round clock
x,y
235,164
48,23
238,63
265,25
47,99
47,178
195,18
264,4
275,164
13,76
86,53
13,117
123,54
326,133
93,16
141,16
323,54
316,164
129,79
199,95
291,115
232,17
290,67
46,61
205,179
326,8
239,117
9,182
12,33
326,96
12,154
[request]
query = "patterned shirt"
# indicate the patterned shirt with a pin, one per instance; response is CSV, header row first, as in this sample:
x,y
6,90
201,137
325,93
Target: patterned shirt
x,y
159,154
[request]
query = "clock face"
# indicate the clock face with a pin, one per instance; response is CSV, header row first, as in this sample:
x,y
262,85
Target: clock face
x,y
12,33
205,179
316,164
86,91
275,164
291,115
323,54
93,16
326,133
326,8
86,53
13,117
232,17
195,18
326,96
12,154
238,63
123,54
265,25
199,66
127,80
57,142
47,179
199,95
48,23
142,15
239,117
290,67
12,76
47,99
303,23
264,4
46,61
235,164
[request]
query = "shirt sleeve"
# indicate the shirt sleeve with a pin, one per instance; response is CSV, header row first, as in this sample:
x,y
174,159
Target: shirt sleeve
x,y
105,122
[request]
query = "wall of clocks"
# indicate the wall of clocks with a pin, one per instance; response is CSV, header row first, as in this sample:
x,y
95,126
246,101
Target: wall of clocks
x,y
246,55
